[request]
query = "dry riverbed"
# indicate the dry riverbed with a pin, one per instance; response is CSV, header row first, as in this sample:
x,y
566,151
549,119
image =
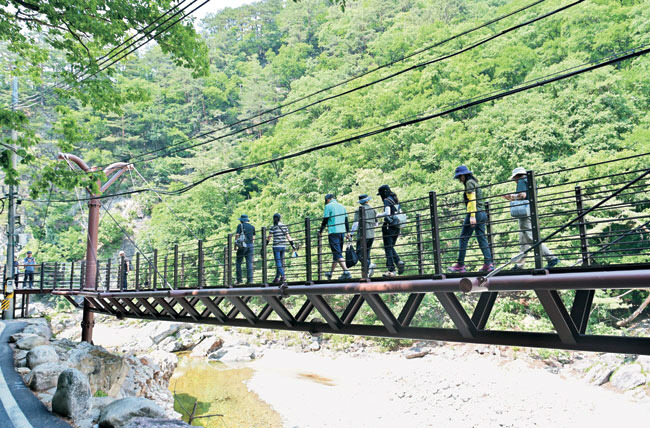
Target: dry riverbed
x,y
355,384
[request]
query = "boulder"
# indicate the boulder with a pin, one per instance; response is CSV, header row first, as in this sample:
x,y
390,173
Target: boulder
x,y
20,358
105,371
97,404
233,354
40,355
599,373
207,346
628,377
45,376
16,337
72,396
170,344
644,361
30,341
155,423
40,329
164,330
120,412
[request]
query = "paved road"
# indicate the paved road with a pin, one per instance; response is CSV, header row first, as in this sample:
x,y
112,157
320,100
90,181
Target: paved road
x,y
19,408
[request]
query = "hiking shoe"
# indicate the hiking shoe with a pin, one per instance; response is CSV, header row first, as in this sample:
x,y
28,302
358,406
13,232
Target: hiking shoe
x,y
457,268
283,280
552,263
328,276
487,267
389,274
371,269
401,267
516,268
346,275
276,280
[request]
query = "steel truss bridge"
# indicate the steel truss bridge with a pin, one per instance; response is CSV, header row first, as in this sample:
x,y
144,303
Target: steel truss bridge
x,y
596,224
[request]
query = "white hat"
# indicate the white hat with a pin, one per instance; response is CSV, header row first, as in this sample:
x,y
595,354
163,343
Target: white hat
x,y
518,171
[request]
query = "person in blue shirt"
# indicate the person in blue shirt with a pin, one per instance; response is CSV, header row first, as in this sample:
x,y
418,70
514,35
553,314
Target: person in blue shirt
x,y
29,263
335,218
245,250
525,225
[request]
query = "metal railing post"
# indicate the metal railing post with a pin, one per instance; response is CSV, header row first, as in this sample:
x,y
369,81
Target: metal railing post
x,y
97,275
488,229
319,257
71,275
265,272
165,272
435,233
200,266
82,274
534,219
229,260
56,270
418,228
42,276
182,280
175,266
108,275
137,271
308,250
582,227
363,243
155,269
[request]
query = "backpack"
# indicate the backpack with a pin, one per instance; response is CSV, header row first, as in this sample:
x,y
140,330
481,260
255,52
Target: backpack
x,y
240,242
399,218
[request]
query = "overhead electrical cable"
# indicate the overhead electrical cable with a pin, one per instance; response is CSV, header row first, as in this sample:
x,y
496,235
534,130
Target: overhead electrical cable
x,y
630,54
114,60
355,89
348,80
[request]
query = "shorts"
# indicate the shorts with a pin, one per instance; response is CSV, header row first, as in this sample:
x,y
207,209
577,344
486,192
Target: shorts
x,y
336,245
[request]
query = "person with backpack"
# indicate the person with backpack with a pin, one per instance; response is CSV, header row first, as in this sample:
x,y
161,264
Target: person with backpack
x,y
370,224
475,221
335,217
244,238
520,209
280,234
390,230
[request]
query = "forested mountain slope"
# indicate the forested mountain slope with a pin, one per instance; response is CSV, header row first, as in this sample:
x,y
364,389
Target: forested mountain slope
x,y
272,52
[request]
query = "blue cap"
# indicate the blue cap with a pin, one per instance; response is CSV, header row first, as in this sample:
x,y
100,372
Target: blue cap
x,y
364,198
461,170
244,218
328,197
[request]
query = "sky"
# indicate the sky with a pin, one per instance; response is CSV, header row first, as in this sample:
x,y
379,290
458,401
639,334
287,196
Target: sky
x,y
214,6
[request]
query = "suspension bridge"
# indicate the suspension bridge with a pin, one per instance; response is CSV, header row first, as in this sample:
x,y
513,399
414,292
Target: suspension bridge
x,y
596,224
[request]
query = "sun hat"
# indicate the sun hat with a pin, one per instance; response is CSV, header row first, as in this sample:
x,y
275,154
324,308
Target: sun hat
x,y
518,171
461,170
364,198
244,218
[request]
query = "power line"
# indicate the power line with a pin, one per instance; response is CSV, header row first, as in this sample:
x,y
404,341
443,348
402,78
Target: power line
x,y
632,53
364,86
147,34
351,79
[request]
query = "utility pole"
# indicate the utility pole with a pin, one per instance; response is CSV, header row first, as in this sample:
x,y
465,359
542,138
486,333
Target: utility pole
x,y
117,169
9,280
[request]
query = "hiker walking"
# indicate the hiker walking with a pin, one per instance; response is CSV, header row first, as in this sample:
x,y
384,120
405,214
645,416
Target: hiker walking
x,y
125,268
244,237
30,264
370,224
335,217
475,221
280,234
520,209
390,230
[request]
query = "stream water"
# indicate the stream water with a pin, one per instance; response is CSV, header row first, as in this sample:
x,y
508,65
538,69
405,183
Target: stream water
x,y
216,388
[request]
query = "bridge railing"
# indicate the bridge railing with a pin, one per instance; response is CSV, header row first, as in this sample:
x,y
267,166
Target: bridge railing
x,y
613,233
